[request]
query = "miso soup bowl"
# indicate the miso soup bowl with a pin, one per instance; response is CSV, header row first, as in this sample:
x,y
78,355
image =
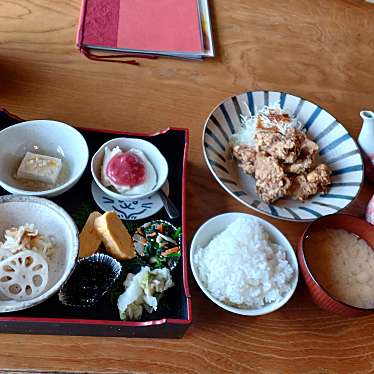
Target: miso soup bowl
x,y
47,137
150,151
319,295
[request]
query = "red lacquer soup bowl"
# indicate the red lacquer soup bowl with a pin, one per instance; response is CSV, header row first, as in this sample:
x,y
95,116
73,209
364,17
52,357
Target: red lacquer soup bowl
x,y
319,295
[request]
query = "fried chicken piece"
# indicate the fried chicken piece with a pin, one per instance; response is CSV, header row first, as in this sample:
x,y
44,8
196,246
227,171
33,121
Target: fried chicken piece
x,y
246,155
321,176
284,147
307,158
304,186
271,181
301,189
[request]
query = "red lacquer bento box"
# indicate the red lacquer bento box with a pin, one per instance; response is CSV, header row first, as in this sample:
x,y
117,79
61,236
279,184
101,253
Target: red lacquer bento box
x,y
173,317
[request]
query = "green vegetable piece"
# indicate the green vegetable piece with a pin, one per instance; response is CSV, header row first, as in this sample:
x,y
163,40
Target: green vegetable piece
x,y
177,233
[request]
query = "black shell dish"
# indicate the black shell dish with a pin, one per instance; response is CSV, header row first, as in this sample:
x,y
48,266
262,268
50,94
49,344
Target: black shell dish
x,y
93,276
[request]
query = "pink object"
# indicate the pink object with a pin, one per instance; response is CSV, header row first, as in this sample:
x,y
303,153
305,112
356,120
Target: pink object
x,y
370,211
146,25
98,23
162,25
126,169
346,222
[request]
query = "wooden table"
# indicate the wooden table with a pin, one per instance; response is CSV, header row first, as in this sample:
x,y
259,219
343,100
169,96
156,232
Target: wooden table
x,y
322,50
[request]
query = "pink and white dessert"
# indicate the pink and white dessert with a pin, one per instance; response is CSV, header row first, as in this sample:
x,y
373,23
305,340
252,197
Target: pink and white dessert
x,y
127,172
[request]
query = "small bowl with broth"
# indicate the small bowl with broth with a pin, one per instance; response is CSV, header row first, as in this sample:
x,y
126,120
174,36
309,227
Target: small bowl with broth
x,y
336,258
41,158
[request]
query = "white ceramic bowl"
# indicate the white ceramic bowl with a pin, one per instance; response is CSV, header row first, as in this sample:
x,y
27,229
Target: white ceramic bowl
x,y
49,219
46,137
153,155
216,225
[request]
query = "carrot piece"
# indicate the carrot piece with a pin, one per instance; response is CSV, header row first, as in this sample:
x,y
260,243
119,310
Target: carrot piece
x,y
170,251
160,228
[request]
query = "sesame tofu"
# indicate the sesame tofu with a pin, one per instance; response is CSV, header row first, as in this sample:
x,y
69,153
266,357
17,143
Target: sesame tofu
x,y
39,168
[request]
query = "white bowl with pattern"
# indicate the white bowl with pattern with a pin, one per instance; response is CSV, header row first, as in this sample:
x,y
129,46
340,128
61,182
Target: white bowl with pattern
x,y
51,220
337,149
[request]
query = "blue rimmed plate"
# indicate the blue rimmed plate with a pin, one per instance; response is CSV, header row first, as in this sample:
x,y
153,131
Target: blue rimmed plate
x,y
129,209
337,149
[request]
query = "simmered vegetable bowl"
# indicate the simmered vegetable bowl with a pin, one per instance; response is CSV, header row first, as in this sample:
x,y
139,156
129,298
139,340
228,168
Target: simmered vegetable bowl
x,y
158,244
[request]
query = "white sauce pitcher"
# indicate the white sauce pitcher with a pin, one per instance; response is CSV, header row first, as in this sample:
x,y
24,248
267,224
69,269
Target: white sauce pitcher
x,y
366,142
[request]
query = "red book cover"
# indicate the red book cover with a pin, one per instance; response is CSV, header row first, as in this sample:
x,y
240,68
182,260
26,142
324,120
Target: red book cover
x,y
141,25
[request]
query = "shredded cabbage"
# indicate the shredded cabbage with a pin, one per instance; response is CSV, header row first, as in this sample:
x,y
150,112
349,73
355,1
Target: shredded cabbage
x,y
247,132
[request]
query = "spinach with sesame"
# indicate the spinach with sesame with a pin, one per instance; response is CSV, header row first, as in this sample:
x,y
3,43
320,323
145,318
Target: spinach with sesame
x,y
158,243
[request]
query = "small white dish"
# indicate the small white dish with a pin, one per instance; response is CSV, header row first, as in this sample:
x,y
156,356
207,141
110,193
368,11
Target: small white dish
x,y
129,209
49,219
47,137
153,155
219,223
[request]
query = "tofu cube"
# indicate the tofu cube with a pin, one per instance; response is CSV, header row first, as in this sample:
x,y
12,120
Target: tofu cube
x,y
39,168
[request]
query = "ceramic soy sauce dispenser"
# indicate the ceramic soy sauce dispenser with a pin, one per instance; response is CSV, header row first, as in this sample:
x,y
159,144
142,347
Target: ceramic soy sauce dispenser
x,y
366,142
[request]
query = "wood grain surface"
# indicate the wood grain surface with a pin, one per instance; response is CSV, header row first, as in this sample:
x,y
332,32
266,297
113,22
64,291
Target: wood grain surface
x,y
320,49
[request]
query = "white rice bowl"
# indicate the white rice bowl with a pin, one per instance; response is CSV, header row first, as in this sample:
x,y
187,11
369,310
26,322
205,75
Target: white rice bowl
x,y
245,264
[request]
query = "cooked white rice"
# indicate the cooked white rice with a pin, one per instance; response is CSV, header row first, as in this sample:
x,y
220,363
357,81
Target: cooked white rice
x,y
242,267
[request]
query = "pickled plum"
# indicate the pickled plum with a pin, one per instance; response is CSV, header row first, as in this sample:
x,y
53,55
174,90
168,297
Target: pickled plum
x,y
126,169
